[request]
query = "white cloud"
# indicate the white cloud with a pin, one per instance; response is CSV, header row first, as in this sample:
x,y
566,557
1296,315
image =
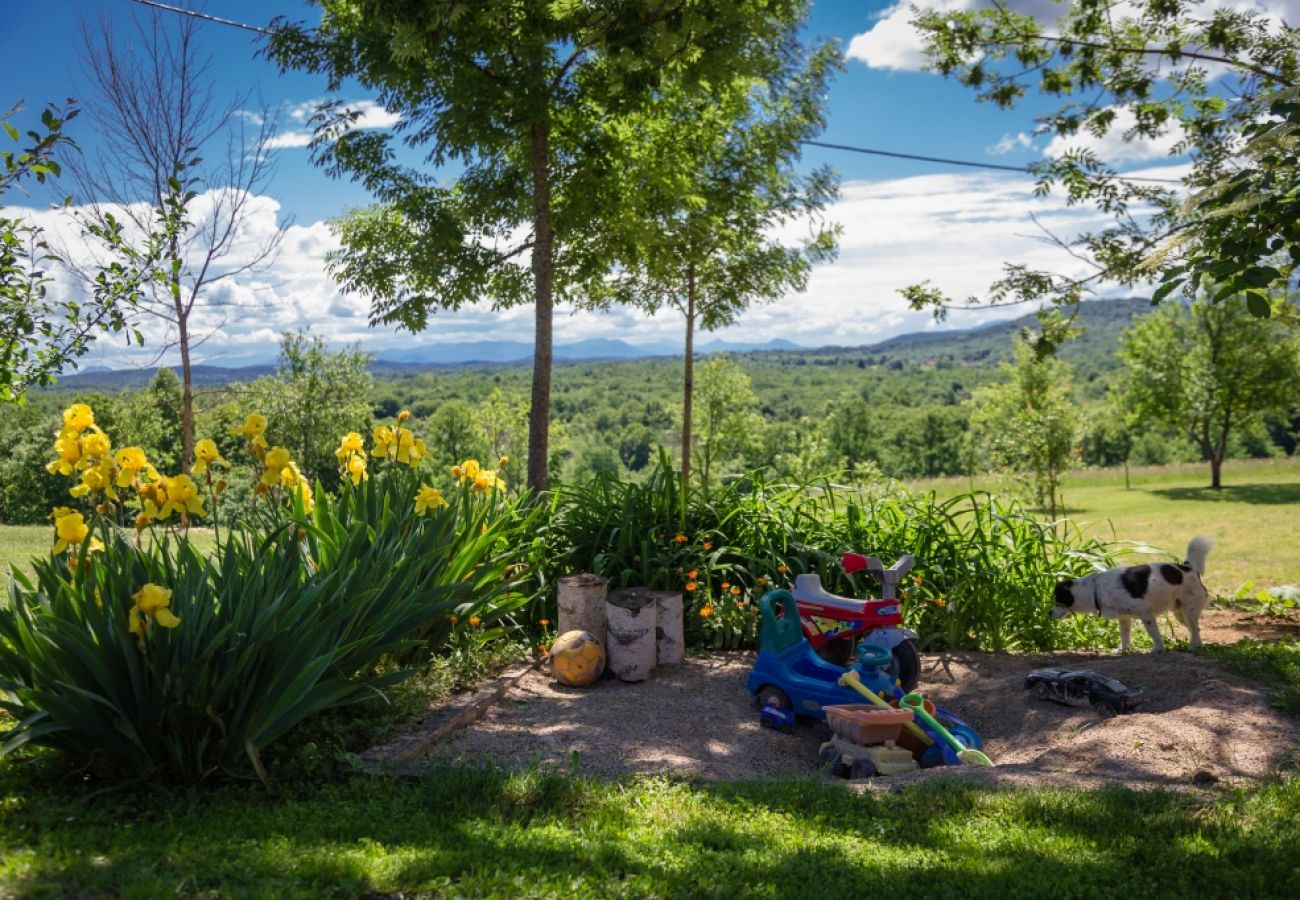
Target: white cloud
x,y
893,44
370,115
1011,143
954,230
1111,147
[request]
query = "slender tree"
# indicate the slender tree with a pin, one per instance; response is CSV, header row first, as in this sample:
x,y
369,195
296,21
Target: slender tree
x,y
41,333
1209,370
1029,422
167,144
715,191
526,102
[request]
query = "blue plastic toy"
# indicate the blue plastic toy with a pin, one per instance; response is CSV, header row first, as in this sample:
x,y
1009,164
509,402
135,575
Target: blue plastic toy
x,y
777,719
790,676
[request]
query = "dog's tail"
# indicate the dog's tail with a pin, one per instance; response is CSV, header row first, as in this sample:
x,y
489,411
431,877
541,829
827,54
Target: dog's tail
x,y
1197,550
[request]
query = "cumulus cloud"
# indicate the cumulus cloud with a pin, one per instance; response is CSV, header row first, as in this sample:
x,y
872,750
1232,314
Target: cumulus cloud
x,y
1112,147
1011,143
369,115
892,44
954,230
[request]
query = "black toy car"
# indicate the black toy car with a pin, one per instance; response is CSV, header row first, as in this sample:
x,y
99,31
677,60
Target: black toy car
x,y
1083,687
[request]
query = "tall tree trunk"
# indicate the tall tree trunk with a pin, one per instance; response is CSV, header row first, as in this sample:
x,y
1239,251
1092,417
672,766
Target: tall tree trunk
x,y
539,416
1216,469
688,382
187,379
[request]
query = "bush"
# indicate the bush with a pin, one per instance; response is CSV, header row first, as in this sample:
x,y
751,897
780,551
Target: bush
x,y
151,660
983,578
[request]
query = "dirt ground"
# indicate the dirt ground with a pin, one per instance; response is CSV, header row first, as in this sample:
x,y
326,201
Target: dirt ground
x,y
1199,724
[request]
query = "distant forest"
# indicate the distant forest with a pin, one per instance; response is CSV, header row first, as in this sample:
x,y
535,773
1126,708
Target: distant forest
x,y
898,409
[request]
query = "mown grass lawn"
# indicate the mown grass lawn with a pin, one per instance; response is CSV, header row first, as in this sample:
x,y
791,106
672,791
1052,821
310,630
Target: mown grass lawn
x,y
477,834
19,543
1253,517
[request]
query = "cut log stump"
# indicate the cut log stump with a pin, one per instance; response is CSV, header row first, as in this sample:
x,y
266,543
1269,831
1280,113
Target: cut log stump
x,y
631,617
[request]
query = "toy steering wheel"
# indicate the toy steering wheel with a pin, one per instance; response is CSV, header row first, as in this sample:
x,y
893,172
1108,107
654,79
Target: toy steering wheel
x,y
873,656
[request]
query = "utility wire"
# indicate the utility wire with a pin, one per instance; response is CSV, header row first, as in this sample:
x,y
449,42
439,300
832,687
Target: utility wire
x,y
892,154
1023,170
194,13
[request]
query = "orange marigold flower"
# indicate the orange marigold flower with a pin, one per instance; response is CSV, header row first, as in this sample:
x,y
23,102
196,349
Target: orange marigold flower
x,y
706,610
453,618
939,601
708,546
783,568
691,585
735,591
762,579
543,649
681,538
475,621
726,584
543,622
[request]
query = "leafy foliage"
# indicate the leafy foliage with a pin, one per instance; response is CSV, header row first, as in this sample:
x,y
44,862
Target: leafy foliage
x,y
1210,370
984,574
1029,424
1145,70
40,334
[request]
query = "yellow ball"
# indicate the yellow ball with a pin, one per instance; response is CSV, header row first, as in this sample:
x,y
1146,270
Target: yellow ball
x,y
577,658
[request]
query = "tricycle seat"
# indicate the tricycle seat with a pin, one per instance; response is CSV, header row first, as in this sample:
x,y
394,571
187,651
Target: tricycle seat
x,y
808,589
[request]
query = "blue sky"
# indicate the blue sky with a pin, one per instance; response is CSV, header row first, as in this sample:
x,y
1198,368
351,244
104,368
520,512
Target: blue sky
x,y
903,221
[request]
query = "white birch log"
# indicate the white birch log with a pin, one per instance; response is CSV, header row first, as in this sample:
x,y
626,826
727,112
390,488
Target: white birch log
x,y
670,645
580,600
631,616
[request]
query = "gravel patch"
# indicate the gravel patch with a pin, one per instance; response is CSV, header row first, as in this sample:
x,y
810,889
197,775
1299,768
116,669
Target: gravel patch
x,y
1199,725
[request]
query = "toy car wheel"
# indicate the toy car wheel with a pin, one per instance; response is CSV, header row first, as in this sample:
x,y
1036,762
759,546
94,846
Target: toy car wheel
x,y
1105,709
771,695
1042,690
828,760
906,666
862,768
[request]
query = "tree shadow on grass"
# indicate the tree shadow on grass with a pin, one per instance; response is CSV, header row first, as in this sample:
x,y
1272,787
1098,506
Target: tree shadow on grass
x,y
490,833
1256,494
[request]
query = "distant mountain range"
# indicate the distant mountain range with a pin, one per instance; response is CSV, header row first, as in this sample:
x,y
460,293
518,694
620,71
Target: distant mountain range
x,y
982,345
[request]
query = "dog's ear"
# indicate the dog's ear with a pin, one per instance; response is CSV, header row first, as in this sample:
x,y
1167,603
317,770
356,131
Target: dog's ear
x,y
1065,596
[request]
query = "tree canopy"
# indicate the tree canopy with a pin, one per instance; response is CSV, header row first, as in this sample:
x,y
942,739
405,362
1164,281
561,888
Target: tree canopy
x,y
1145,70
514,116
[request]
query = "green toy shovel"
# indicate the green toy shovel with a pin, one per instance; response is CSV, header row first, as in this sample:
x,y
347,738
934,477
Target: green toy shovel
x,y
968,755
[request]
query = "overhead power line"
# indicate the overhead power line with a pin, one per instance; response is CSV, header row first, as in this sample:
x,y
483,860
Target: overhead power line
x,y
892,154
1023,170
194,13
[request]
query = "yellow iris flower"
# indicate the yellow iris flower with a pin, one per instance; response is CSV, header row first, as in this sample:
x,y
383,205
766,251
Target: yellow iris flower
x,y
205,454
276,459
383,439
182,497
71,529
131,462
485,480
96,443
95,479
356,468
151,600
252,430
350,444
78,417
68,450
428,498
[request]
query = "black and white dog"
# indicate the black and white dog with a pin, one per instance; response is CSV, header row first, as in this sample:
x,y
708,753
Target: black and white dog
x,y
1142,593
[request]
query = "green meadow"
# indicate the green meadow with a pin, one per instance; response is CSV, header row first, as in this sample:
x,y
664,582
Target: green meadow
x,y
1254,519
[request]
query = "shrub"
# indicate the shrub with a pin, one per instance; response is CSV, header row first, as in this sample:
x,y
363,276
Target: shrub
x,y
152,660
983,578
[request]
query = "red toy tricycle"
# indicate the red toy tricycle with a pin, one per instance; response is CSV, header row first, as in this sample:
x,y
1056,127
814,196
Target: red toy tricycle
x,y
835,625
